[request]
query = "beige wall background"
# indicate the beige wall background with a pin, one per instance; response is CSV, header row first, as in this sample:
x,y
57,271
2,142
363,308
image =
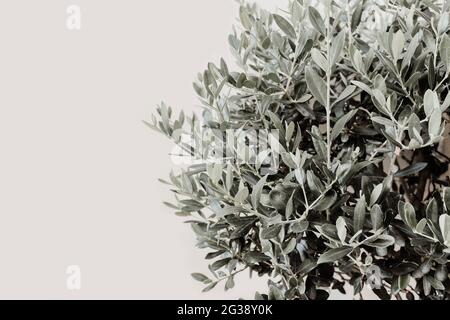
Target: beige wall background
x,y
78,170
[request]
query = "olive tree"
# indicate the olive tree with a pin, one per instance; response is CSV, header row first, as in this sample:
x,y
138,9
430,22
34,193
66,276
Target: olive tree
x,y
320,156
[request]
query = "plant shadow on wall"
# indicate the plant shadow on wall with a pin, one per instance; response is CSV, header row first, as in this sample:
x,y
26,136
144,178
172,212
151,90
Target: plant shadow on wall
x,y
322,161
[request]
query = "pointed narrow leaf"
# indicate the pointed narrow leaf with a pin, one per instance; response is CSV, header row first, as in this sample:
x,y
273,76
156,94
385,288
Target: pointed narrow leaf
x,y
383,241
285,26
316,20
316,85
410,215
446,197
398,44
410,51
200,277
444,51
420,227
336,47
210,287
334,255
326,202
376,192
362,86
256,193
245,18
319,144
319,59
340,124
341,229
444,224
446,102
412,169
290,206
359,215
436,284
290,246
271,232
383,121
434,124
307,266
348,91
241,230
430,102
432,211
376,216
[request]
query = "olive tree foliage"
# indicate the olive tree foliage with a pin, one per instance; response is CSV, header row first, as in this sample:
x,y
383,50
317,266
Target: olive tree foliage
x,y
357,92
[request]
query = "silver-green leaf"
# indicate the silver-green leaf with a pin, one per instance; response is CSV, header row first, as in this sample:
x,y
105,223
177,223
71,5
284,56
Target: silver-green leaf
x,y
359,215
316,85
334,254
285,26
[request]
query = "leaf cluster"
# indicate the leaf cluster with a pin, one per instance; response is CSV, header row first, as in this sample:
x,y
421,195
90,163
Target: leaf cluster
x,y
358,92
